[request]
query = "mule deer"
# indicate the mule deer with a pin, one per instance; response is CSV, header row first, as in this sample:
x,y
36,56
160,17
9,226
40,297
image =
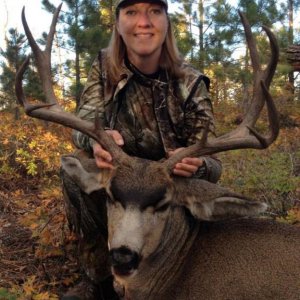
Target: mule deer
x,y
162,242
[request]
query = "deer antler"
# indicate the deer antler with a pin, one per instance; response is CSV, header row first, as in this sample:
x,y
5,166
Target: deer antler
x,y
52,111
244,136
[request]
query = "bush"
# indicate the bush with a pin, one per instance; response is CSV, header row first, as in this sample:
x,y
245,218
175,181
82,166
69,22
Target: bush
x,y
30,147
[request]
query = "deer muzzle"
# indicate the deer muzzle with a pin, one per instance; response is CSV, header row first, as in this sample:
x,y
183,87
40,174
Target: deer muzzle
x,y
124,261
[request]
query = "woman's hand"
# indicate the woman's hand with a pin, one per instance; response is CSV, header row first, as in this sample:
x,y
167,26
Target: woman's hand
x,y
103,158
188,166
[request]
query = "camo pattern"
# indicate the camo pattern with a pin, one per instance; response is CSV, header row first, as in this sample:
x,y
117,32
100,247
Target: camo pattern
x,y
177,118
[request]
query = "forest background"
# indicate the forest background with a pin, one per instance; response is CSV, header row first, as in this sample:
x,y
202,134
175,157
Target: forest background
x,y
37,253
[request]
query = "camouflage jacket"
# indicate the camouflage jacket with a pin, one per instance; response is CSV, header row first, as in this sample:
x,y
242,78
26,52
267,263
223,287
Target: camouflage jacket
x,y
154,114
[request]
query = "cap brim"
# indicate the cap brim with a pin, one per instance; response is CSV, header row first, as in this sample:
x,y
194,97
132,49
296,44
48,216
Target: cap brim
x,y
130,2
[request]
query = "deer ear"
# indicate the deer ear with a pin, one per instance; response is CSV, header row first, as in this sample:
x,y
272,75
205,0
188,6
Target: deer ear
x,y
228,207
210,202
87,181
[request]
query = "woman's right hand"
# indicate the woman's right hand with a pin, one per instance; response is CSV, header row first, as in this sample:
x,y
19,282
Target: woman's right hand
x,y
104,158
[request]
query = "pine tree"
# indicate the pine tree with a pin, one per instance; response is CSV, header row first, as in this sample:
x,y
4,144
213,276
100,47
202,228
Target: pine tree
x,y
13,57
258,13
82,25
183,34
183,22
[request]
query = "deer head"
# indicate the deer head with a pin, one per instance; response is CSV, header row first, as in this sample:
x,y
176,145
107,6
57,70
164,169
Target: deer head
x,y
143,194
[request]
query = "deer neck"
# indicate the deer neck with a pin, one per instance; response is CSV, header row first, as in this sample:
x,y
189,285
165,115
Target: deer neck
x,y
157,273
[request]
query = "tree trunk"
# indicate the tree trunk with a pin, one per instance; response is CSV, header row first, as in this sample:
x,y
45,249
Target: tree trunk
x,y
246,86
201,38
293,57
290,41
77,61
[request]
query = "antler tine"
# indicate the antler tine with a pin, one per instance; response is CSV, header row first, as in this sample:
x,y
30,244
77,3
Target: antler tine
x,y
52,30
43,58
266,76
45,112
271,68
18,83
251,43
267,140
244,136
52,111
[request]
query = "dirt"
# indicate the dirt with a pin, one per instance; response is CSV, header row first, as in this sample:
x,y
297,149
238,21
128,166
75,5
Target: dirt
x,y
20,265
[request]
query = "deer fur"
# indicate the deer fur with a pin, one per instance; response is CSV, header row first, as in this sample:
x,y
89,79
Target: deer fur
x,y
187,251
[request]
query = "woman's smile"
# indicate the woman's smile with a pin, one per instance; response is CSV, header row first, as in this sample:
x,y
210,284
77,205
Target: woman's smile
x,y
144,35
143,28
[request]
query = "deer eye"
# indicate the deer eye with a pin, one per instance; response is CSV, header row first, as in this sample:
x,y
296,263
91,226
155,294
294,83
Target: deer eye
x,y
162,208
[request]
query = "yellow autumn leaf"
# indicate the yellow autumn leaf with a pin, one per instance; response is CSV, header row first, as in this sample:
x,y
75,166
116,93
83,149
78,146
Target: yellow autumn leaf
x,y
34,226
5,142
54,252
45,296
68,281
28,286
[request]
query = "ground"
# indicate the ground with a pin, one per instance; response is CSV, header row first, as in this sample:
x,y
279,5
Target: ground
x,y
37,251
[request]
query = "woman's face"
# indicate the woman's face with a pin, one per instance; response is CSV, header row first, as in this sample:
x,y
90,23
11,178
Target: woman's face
x,y
143,28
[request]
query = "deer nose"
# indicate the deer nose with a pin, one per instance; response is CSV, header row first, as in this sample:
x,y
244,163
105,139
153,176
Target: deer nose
x,y
124,261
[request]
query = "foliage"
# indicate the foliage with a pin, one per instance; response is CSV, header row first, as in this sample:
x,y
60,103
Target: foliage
x,y
40,261
292,217
271,175
209,35
14,55
182,34
30,147
7,295
81,34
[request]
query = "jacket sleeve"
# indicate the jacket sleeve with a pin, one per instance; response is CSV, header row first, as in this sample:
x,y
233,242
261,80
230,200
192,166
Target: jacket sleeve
x,y
91,98
199,111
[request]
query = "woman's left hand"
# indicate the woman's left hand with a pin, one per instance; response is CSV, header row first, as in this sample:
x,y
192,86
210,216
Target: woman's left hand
x,y
188,165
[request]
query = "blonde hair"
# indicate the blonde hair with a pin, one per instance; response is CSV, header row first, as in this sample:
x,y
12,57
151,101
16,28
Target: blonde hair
x,y
170,58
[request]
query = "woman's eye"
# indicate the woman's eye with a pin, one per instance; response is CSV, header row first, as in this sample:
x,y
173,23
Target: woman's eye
x,y
156,11
130,12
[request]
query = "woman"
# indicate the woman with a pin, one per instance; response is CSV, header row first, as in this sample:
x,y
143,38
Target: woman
x,y
152,104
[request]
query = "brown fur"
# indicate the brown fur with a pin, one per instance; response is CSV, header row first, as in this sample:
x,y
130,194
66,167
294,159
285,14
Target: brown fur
x,y
234,260
184,257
